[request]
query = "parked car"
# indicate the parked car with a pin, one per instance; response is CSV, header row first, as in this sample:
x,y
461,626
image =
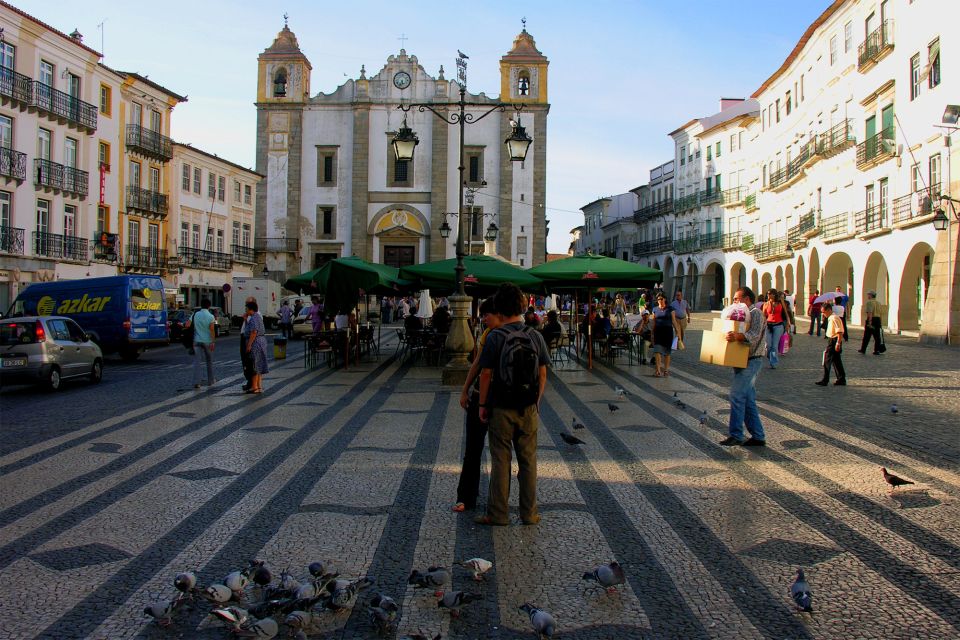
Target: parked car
x,y
222,326
302,326
47,350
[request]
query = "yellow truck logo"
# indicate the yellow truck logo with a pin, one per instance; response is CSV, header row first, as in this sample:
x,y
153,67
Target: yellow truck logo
x,y
47,306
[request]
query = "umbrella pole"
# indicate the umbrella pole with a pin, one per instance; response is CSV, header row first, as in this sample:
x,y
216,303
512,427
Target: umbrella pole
x,y
589,334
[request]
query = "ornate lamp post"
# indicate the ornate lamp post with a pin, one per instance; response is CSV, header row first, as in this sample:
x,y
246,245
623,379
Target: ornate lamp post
x,y
460,340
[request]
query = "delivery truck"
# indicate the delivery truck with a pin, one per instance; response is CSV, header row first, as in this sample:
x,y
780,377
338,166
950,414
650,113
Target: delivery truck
x,y
265,291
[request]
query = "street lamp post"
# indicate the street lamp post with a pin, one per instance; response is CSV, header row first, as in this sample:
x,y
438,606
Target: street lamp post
x,y
460,340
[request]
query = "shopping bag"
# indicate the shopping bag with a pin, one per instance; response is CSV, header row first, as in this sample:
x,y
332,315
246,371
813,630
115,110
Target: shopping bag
x,y
674,344
785,344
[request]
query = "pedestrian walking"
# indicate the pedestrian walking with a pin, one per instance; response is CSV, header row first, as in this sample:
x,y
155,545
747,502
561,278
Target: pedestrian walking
x,y
245,361
712,299
833,354
664,326
872,327
681,313
813,310
476,430
286,319
256,346
789,302
202,325
778,323
743,390
513,375
315,314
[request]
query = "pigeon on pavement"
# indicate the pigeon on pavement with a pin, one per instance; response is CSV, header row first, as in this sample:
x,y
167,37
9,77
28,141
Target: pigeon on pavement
x,y
299,620
893,480
607,576
893,409
324,572
577,424
800,592
478,566
621,392
542,622
342,592
433,577
162,612
383,612
455,600
232,617
217,593
570,438
266,628
703,418
612,407
185,582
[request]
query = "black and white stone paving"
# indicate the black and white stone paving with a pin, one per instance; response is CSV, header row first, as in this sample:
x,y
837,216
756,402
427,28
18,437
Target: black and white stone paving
x,y
360,468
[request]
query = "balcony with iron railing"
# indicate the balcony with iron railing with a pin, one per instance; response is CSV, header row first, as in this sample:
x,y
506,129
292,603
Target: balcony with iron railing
x,y
686,202
146,259
54,245
243,254
647,247
689,244
277,245
806,228
104,250
747,244
13,164
63,107
837,138
916,208
145,202
711,240
15,87
733,197
11,240
653,210
872,220
710,197
878,44
750,202
773,249
203,259
836,227
149,143
51,175
732,241
876,149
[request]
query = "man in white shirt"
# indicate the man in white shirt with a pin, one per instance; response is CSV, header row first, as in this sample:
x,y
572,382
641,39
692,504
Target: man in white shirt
x,y
832,354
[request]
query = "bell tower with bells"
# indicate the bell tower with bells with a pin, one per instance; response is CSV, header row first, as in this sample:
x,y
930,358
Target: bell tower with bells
x,y
283,71
523,71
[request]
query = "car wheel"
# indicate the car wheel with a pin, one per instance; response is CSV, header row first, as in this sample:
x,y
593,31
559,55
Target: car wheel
x,y
54,382
96,373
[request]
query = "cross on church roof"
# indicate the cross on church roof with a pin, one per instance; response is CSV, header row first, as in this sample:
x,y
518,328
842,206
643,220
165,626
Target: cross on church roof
x,y
403,39
523,21
285,16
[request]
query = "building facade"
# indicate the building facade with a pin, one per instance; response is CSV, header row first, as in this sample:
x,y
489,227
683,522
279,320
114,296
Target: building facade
x,y
608,226
333,187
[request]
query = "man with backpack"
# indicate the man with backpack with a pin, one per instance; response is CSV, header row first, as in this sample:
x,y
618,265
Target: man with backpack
x,y
513,375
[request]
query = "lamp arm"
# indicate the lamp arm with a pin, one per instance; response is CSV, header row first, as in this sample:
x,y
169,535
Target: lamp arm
x,y
454,118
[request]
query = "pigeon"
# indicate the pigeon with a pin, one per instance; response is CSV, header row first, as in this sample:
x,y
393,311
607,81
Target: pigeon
x,y
478,566
435,577
675,394
570,438
800,592
612,407
577,424
266,628
383,612
218,593
342,592
185,582
232,617
162,612
311,589
462,55
893,408
680,404
268,608
455,600
299,620
621,392
703,418
607,576
542,622
894,481
261,576
325,572
422,636
236,581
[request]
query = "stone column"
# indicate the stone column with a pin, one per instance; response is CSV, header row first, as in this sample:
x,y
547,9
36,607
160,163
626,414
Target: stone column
x,y
459,341
944,282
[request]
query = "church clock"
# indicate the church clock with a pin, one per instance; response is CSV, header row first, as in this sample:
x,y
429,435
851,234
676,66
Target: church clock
x,y
401,80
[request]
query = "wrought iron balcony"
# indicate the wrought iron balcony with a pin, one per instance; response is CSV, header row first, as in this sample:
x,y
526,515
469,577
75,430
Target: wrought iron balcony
x,y
11,240
277,245
15,86
916,207
686,202
878,43
732,241
733,197
56,176
837,138
147,259
773,249
871,220
146,202
653,210
876,149
64,107
747,244
243,254
54,245
750,203
149,143
203,259
712,240
711,197
660,245
835,227
687,245
13,164
807,227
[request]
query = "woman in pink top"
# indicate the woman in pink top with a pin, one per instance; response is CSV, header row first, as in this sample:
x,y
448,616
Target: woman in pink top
x,y
778,323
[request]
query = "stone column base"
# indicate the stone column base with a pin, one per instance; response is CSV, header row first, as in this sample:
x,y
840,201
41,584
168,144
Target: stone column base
x,y
460,342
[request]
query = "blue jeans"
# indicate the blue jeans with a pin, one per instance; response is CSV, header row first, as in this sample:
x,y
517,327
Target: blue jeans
x,y
202,354
774,331
743,401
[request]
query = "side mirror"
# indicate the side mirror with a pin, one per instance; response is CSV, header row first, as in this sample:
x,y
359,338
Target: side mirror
x,y
87,337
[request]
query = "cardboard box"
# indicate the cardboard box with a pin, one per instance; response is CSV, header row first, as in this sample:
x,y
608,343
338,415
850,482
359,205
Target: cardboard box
x,y
714,349
723,326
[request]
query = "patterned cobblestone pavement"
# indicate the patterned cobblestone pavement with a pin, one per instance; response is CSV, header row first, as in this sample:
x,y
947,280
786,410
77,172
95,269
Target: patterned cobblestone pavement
x,y
360,466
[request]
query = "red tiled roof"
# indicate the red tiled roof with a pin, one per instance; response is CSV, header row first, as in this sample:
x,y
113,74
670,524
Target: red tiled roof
x,y
49,28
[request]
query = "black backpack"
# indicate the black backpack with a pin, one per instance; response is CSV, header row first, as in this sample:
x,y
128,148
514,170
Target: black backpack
x,y
518,374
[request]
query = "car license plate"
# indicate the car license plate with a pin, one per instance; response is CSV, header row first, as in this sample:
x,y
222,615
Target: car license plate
x,y
9,363
139,329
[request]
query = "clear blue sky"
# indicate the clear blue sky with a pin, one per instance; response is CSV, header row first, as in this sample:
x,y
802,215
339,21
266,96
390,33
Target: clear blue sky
x,y
622,74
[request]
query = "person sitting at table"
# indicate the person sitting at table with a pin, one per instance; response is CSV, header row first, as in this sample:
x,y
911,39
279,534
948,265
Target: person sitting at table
x,y
602,326
530,318
412,324
551,329
441,319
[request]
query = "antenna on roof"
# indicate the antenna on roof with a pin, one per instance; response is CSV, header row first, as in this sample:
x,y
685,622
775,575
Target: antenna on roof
x,y
100,27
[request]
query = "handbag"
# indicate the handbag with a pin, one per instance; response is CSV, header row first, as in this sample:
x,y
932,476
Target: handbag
x,y
785,344
676,341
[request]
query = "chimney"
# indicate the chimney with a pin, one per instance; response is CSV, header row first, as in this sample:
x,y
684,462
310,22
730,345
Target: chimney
x,y
726,103
76,36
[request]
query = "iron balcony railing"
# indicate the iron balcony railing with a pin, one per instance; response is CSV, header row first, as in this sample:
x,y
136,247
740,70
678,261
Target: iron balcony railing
x,y
15,86
203,259
712,240
149,143
836,226
686,202
647,247
652,210
57,176
710,197
747,243
750,202
11,240
837,138
916,205
64,106
13,164
874,218
243,254
732,241
145,201
877,148
686,245
105,251
733,197
144,258
877,43
772,249
54,245
277,245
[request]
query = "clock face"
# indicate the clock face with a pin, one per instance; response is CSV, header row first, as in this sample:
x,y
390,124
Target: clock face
x,y
401,80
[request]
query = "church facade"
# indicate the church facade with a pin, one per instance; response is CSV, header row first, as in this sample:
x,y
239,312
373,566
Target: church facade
x,y
334,188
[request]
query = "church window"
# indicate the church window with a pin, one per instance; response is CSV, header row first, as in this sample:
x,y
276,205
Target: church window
x,y
326,166
474,166
523,84
326,222
280,83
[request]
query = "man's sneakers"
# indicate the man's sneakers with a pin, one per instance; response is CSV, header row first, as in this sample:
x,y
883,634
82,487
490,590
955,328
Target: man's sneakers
x,y
840,383
731,442
753,442
822,383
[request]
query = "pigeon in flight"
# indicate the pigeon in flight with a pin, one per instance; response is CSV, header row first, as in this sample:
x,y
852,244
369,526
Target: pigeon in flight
x,y
577,424
607,576
612,407
435,577
542,622
570,438
455,600
477,566
800,592
893,480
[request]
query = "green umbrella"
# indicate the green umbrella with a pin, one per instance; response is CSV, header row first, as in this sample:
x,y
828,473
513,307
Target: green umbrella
x,y
342,280
591,272
305,282
481,273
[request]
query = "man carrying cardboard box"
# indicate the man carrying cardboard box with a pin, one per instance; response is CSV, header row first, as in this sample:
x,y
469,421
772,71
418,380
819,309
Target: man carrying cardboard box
x,y
743,392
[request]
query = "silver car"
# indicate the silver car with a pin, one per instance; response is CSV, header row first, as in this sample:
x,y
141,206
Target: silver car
x,y
47,350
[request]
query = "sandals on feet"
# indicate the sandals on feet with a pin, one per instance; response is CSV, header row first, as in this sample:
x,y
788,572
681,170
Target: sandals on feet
x,y
657,374
459,507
